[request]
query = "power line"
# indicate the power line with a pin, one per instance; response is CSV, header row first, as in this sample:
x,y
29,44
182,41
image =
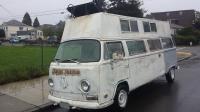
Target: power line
x,y
35,14
5,9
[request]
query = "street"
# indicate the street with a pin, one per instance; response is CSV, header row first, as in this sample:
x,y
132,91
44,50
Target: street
x,y
157,96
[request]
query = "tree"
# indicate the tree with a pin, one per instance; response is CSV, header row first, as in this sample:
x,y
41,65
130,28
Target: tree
x,y
197,24
27,19
59,29
36,23
2,33
125,7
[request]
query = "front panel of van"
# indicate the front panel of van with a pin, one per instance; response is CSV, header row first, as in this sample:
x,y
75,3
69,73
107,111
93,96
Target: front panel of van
x,y
68,85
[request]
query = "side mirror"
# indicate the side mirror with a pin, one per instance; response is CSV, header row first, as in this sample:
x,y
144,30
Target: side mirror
x,y
117,56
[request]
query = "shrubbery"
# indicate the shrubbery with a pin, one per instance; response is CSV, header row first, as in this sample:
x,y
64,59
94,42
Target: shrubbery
x,y
187,35
185,40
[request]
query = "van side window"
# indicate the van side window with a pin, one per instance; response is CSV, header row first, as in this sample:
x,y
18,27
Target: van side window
x,y
125,25
111,48
167,43
154,45
153,27
134,26
136,47
146,27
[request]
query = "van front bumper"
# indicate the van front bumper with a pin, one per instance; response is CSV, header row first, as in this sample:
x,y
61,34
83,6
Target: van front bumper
x,y
79,104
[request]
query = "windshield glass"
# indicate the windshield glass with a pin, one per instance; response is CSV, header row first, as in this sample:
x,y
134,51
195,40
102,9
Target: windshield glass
x,y
79,51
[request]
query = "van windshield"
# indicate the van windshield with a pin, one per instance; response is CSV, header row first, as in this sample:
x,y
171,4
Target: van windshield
x,y
79,51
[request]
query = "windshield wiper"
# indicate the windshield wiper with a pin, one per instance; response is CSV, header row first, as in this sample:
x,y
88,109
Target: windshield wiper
x,y
72,60
57,60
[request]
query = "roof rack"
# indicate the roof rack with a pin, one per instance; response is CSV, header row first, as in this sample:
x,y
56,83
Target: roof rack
x,y
85,9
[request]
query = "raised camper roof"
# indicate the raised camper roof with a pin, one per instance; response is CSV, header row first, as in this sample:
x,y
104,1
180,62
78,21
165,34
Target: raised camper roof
x,y
111,26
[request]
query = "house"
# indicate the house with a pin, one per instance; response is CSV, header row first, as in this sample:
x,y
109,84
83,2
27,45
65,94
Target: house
x,y
15,28
33,34
183,18
175,28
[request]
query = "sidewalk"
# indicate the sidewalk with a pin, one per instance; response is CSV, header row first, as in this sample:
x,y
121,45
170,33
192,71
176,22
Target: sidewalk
x,y
11,104
24,96
183,53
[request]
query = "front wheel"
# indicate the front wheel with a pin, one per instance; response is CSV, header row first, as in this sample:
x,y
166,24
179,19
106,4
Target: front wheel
x,y
170,76
121,98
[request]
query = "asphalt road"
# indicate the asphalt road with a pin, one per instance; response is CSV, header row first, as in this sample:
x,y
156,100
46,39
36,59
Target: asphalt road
x,y
158,96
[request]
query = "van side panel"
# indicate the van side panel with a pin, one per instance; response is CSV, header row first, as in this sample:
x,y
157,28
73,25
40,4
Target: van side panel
x,y
145,68
170,58
107,83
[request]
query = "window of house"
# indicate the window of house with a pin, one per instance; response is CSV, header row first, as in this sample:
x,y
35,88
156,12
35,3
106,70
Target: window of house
x,y
125,25
168,14
180,13
113,47
136,47
146,26
154,45
21,28
134,26
167,43
153,27
175,21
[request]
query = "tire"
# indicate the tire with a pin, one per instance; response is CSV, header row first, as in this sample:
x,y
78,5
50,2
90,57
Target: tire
x,y
170,76
121,99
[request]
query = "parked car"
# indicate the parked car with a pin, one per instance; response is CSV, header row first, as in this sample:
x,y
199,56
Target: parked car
x,y
14,40
52,40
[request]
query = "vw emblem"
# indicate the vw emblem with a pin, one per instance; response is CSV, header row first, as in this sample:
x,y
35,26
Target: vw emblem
x,y
63,82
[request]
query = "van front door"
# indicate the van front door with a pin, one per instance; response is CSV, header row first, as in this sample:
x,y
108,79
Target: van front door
x,y
115,69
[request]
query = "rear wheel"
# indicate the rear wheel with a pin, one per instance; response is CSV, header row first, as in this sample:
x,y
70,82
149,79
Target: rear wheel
x,y
170,76
121,98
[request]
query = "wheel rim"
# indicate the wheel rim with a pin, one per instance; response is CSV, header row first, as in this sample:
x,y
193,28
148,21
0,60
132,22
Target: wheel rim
x,y
122,98
173,74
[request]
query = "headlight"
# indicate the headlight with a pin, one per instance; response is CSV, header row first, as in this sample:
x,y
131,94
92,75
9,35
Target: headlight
x,y
85,86
51,83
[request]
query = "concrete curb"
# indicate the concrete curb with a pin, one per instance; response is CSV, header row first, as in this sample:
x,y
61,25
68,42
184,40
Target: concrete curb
x,y
41,108
186,58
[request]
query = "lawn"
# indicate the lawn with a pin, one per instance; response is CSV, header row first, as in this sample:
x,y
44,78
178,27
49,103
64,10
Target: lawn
x,y
23,63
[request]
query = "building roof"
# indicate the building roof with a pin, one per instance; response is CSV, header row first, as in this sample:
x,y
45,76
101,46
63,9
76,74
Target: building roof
x,y
175,26
192,10
14,23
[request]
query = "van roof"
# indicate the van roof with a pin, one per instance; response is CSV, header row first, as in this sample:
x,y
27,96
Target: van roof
x,y
106,26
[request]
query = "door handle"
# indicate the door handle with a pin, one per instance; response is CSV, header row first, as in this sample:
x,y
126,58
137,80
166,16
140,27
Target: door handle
x,y
159,55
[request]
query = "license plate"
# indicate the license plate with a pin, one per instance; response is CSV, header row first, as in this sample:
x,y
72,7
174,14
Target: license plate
x,y
64,105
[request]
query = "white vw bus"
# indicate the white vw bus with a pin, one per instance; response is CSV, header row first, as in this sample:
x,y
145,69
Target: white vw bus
x,y
103,57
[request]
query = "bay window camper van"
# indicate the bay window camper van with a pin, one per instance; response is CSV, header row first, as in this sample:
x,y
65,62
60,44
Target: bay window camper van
x,y
103,57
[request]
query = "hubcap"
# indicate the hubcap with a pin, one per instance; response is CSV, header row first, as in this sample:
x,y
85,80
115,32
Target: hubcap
x,y
173,74
122,98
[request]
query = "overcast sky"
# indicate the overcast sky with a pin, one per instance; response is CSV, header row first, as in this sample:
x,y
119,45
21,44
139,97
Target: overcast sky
x,y
49,11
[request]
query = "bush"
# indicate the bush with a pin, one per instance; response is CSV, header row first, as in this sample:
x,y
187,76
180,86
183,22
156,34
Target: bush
x,y
187,35
185,40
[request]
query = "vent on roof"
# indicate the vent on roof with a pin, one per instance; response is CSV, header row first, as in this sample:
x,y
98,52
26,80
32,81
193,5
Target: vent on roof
x,y
85,9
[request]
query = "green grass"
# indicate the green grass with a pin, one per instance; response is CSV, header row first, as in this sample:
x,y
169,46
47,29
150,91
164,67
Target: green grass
x,y
23,63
